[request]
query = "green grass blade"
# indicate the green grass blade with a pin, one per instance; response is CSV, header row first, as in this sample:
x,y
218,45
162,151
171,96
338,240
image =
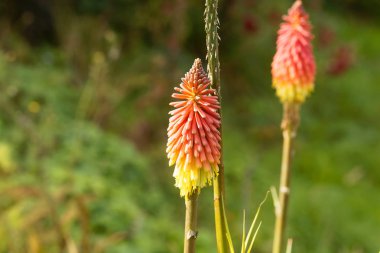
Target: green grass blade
x,y
243,236
228,234
254,238
254,220
289,246
230,244
275,198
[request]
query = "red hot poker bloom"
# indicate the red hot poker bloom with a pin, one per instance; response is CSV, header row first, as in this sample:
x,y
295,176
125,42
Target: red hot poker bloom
x,y
293,66
193,133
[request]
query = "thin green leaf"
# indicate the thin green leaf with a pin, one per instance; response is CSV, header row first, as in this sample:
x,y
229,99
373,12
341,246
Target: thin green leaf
x,y
275,198
243,236
254,238
254,220
228,234
289,246
230,244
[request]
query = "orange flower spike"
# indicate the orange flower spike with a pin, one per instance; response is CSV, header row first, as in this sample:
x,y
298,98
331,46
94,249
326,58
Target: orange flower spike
x,y
193,132
293,66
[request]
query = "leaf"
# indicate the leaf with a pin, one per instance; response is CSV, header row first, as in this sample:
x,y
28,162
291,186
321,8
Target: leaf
x,y
289,246
254,237
254,221
243,236
228,234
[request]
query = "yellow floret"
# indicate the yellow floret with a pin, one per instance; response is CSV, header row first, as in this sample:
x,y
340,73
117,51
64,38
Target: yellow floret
x,y
190,179
293,93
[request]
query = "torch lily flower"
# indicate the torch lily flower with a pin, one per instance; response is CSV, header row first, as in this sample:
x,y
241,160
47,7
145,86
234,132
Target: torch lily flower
x,y
193,133
293,66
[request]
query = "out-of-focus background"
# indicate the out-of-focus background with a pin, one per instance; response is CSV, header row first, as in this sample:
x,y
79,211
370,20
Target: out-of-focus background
x,y
85,87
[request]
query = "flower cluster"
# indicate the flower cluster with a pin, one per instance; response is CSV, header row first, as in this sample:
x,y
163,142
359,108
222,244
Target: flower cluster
x,y
293,66
193,132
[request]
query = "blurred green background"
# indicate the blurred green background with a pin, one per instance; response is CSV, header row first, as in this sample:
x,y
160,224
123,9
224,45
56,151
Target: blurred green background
x,y
85,87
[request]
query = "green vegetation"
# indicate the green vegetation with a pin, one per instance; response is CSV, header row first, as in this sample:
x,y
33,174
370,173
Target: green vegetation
x,y
83,128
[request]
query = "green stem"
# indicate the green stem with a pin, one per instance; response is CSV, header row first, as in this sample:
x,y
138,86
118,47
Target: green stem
x,y
220,229
289,129
213,67
191,223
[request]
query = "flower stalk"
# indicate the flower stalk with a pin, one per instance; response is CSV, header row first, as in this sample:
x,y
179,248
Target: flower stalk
x,y
191,233
213,67
289,127
293,74
193,142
